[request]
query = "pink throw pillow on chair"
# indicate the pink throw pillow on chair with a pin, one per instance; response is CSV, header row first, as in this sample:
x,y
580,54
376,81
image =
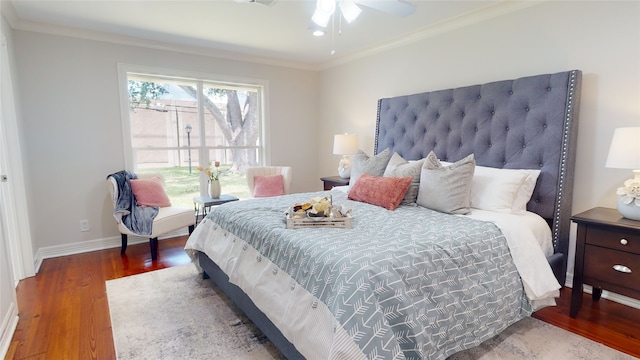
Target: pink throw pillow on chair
x,y
150,192
268,185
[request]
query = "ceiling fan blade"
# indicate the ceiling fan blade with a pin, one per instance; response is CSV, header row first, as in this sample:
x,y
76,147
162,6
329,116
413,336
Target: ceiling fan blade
x,y
349,10
394,7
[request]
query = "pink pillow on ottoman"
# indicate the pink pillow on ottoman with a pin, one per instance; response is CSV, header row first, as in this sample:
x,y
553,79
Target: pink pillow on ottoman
x,y
381,191
150,192
268,185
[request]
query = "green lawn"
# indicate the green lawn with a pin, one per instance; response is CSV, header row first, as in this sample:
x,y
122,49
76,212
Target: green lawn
x,y
182,186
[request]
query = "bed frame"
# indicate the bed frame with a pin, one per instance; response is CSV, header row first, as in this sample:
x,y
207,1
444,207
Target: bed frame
x,y
527,123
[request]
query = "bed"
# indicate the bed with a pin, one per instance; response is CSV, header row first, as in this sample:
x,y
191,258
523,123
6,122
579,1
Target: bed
x,y
412,283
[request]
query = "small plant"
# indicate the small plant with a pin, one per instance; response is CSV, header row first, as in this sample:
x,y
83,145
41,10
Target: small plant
x,y
213,173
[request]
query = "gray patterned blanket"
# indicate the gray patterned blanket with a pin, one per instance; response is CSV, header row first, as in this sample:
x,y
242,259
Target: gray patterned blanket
x,y
405,284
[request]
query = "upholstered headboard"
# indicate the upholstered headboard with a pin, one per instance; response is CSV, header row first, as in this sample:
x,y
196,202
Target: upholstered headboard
x,y
527,123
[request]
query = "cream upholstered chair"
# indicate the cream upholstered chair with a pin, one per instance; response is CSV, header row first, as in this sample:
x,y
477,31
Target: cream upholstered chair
x,y
285,171
168,219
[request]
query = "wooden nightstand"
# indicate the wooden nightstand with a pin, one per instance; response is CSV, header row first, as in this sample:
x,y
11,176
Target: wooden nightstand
x,y
607,255
332,181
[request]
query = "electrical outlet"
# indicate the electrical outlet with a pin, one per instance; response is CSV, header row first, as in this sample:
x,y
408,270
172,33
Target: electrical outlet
x,y
84,225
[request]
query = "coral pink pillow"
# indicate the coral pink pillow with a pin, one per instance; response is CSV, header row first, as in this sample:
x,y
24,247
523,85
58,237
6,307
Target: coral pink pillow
x,y
382,191
268,185
150,192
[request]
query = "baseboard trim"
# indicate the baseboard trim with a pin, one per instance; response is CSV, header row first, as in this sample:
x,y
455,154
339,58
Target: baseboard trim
x,y
624,300
93,245
9,325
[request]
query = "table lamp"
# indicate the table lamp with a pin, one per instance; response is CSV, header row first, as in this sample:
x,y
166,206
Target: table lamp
x,y
345,145
624,153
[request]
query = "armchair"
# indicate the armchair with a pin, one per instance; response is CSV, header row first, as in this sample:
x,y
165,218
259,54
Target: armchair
x,y
168,218
285,171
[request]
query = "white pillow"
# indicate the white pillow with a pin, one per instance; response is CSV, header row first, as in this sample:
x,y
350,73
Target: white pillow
x,y
502,190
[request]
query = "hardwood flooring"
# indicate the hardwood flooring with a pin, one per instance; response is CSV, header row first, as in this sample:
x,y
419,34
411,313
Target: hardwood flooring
x,y
64,312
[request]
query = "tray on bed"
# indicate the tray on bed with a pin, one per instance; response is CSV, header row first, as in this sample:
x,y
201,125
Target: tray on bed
x,y
316,222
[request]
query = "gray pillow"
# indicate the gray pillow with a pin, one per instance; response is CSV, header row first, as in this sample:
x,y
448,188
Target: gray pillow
x,y
446,189
365,164
399,167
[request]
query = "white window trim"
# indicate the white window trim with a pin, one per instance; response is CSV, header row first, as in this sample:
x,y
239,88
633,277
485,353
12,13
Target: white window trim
x,y
124,68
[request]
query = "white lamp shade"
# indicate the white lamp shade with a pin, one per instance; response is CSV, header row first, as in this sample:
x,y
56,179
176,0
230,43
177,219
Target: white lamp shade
x,y
346,144
624,152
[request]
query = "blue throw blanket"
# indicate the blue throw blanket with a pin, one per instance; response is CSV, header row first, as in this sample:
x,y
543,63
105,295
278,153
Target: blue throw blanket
x,y
138,219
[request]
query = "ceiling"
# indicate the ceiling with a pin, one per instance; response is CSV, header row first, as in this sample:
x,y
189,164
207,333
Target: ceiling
x,y
275,33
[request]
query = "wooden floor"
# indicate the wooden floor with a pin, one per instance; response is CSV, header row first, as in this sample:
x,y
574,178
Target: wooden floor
x,y
64,312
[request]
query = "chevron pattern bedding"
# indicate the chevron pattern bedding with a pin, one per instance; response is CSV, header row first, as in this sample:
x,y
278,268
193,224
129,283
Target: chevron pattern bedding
x,y
406,284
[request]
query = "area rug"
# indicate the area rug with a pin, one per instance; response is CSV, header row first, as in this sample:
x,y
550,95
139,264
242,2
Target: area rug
x,y
174,314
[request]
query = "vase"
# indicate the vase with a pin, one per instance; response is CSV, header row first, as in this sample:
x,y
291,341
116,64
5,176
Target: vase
x,y
629,211
214,189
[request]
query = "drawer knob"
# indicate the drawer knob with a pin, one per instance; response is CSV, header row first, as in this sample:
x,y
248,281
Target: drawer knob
x,y
622,269
624,241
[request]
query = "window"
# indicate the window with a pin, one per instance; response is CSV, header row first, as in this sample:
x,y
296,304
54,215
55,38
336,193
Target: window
x,y
174,124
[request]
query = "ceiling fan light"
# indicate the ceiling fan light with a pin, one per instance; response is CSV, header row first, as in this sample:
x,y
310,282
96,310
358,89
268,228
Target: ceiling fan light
x,y
327,6
318,32
349,10
321,18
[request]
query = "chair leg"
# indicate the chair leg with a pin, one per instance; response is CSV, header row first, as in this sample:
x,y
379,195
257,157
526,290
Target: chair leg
x,y
153,245
123,249
191,227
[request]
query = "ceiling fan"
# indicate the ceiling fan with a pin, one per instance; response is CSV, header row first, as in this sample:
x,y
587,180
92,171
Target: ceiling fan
x,y
350,9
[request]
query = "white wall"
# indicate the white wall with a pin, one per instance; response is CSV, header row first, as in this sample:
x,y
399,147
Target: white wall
x,y
601,38
72,127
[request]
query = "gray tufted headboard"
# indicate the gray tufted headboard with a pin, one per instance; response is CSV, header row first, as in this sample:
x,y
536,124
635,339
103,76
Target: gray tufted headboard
x,y
527,123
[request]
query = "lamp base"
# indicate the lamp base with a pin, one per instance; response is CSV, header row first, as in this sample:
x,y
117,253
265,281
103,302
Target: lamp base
x,y
629,211
344,167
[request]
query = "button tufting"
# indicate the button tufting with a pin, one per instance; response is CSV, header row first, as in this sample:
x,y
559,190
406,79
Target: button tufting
x,y
541,165
510,92
524,146
507,128
527,108
493,112
548,88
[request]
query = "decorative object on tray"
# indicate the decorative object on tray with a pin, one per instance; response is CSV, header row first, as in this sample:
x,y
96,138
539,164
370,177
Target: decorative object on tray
x,y
318,212
624,153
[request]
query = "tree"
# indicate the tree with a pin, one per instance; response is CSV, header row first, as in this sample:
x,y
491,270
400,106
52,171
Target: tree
x,y
142,92
240,126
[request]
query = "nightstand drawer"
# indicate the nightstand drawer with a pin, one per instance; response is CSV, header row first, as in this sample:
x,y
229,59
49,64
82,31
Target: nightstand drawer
x,y
614,239
599,264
